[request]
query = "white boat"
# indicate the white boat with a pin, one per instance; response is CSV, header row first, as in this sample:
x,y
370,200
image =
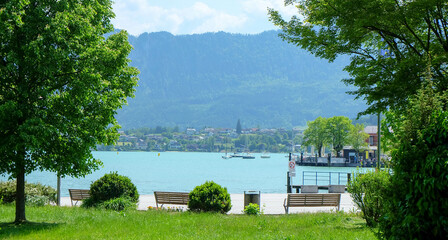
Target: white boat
x,y
227,156
247,154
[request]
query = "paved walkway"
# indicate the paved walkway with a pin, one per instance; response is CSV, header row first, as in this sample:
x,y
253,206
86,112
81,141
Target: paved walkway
x,y
271,203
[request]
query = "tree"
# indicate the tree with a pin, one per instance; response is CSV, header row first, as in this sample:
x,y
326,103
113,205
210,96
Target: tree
x,y
316,134
357,138
238,127
338,129
61,82
389,43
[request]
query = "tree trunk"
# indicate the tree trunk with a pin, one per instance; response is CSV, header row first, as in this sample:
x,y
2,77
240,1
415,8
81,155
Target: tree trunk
x,y
320,150
20,194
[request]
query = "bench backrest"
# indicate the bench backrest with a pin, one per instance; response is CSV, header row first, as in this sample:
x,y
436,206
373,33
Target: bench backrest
x,y
313,199
78,194
336,189
309,189
179,198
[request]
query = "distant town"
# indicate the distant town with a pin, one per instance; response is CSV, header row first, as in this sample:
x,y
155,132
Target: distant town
x,y
255,140
208,140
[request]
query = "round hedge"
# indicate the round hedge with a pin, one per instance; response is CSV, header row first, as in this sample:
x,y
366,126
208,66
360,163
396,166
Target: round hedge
x,y
112,186
209,197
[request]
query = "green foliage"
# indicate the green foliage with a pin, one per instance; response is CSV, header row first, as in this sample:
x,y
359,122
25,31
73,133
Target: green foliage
x,y
209,197
333,131
388,42
357,138
111,186
37,201
252,209
367,191
316,134
417,203
33,191
338,129
61,83
238,127
119,204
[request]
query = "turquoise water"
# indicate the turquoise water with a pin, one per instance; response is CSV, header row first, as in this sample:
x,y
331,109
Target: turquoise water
x,y
182,171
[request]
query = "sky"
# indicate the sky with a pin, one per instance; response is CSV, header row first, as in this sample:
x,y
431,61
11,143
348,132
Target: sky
x,y
197,16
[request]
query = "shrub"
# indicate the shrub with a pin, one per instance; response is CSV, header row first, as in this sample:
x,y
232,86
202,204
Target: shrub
x,y
111,186
8,191
209,197
367,191
252,209
417,203
119,204
37,201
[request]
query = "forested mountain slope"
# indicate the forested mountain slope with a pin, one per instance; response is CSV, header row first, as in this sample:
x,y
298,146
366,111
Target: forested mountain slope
x,y
214,79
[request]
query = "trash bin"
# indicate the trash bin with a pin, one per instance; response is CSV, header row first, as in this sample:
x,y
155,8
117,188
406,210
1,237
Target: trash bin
x,y
251,197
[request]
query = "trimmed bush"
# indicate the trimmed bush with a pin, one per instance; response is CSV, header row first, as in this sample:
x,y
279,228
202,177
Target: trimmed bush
x,y
367,191
209,197
8,191
111,186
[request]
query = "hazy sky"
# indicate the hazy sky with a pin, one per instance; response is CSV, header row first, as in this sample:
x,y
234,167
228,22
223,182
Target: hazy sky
x,y
196,16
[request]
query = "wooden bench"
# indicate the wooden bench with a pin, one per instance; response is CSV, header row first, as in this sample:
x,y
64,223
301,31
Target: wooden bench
x,y
78,195
175,198
312,200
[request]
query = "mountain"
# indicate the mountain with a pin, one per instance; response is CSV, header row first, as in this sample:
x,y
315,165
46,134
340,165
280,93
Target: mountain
x,y
214,79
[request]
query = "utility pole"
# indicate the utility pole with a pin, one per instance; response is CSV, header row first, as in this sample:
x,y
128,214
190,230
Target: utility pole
x,y
379,142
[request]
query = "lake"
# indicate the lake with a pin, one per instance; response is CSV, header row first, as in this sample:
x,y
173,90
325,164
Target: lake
x,y
182,171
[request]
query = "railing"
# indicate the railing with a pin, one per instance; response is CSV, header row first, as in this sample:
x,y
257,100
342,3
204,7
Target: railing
x,y
325,178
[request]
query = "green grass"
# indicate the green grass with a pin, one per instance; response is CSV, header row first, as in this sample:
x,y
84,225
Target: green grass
x,y
76,223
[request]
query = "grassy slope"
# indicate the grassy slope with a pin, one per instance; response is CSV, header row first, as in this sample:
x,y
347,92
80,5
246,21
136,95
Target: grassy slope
x,y
76,223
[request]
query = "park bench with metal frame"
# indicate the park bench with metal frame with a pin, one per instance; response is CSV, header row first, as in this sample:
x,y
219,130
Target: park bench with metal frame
x,y
175,198
312,200
78,195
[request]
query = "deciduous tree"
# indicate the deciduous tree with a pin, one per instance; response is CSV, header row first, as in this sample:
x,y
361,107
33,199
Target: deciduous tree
x,y
389,42
338,129
61,82
316,134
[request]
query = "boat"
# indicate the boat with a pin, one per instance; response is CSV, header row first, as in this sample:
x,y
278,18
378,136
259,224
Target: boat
x,y
265,155
248,156
226,156
237,155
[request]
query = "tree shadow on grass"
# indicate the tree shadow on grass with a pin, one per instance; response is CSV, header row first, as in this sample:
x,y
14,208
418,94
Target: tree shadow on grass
x,y
11,229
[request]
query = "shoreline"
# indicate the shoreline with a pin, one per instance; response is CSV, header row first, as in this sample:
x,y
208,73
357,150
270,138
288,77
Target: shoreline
x,y
270,203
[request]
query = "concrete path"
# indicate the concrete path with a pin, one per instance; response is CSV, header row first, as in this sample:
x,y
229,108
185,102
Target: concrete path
x,y
271,203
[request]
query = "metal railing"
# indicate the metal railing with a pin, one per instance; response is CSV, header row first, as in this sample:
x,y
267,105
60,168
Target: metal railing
x,y
325,178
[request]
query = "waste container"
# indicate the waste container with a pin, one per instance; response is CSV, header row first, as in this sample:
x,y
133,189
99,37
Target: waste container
x,y
251,197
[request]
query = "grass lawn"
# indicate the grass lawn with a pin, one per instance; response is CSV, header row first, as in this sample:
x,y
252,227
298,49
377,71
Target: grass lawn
x,y
52,222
